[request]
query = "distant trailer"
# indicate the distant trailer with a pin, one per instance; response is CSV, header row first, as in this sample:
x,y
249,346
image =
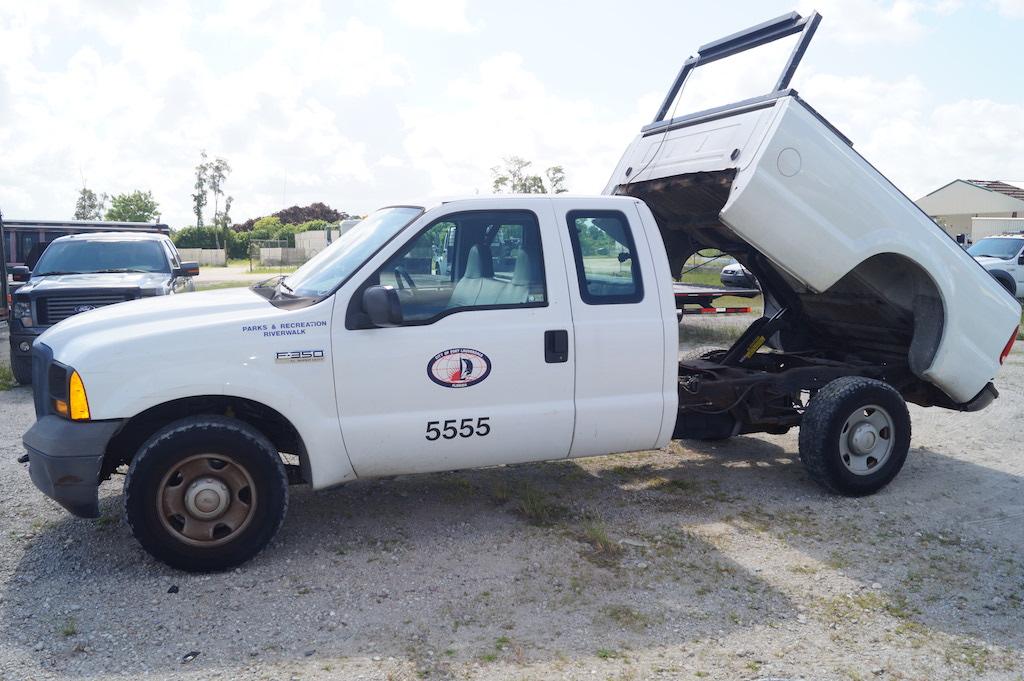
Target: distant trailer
x,y
692,299
22,237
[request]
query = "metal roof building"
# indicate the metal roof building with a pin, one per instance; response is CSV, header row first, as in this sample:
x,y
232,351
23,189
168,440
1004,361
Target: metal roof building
x,y
955,204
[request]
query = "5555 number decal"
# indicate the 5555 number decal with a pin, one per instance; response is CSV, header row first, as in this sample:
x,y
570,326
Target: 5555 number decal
x,y
453,428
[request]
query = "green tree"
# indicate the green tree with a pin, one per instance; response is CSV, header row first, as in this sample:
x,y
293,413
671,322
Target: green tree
x,y
556,179
514,177
218,171
199,198
138,206
90,206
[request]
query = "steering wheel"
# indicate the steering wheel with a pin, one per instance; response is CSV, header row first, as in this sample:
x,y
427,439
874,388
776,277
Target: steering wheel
x,y
402,273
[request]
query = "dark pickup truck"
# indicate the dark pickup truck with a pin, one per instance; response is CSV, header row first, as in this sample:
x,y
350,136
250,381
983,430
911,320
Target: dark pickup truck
x,y
82,272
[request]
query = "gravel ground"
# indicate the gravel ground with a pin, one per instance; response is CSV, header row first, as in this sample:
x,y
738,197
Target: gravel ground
x,y
718,561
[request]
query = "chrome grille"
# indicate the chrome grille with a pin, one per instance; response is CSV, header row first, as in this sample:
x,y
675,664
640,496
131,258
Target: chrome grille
x,y
53,309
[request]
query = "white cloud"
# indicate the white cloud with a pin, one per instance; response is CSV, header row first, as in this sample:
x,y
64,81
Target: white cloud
x,y
1010,8
438,15
506,110
916,141
132,106
857,22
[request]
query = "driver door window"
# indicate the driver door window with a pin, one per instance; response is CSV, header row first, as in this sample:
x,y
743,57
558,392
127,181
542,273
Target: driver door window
x,y
468,261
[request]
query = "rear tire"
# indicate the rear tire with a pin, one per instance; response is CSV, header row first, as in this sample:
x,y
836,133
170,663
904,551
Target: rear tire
x,y
206,493
21,367
855,435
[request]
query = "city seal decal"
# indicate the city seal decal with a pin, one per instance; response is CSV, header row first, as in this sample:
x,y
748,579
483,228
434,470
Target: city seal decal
x,y
458,367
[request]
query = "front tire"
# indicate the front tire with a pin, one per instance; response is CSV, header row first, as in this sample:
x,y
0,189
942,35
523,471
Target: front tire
x,y
206,493
1006,279
21,367
855,435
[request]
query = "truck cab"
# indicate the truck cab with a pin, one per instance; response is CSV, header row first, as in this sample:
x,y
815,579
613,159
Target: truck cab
x,y
1002,255
504,329
82,272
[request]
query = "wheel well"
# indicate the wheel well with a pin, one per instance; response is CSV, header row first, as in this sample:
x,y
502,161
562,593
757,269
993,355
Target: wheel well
x,y
278,429
888,306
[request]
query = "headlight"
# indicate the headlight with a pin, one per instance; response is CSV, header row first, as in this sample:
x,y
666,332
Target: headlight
x,y
23,312
69,398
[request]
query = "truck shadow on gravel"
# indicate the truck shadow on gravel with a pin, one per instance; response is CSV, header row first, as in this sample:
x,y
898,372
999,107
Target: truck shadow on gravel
x,y
532,563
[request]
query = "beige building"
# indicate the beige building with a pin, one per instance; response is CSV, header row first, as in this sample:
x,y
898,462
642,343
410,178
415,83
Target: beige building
x,y
954,205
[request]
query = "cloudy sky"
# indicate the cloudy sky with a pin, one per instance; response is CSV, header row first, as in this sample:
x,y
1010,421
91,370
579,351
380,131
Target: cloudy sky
x,y
369,102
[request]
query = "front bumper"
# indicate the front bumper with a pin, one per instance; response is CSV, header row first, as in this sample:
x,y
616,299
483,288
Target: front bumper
x,y
65,458
23,335
736,280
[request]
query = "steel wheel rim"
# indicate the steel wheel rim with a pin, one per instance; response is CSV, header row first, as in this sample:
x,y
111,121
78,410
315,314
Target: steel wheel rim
x,y
206,500
867,440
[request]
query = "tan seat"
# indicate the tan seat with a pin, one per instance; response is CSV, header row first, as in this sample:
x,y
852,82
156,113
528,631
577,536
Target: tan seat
x,y
517,291
467,289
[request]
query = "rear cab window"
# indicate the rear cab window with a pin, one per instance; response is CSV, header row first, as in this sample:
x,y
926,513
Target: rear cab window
x,y
605,255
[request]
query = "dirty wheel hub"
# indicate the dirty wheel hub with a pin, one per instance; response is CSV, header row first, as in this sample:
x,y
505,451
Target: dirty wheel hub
x,y
206,499
866,440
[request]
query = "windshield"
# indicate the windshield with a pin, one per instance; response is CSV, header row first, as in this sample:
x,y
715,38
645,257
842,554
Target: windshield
x,y
333,265
996,248
102,255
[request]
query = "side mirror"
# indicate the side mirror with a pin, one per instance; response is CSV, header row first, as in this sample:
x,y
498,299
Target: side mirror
x,y
1020,259
20,273
382,305
187,269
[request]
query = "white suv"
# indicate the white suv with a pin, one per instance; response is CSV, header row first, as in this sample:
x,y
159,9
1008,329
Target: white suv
x,y
1003,256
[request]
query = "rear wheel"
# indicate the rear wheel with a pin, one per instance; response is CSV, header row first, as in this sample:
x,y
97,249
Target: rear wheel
x,y
21,367
206,493
855,435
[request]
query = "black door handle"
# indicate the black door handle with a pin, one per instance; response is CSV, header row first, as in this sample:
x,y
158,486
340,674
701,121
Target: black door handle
x,y
556,346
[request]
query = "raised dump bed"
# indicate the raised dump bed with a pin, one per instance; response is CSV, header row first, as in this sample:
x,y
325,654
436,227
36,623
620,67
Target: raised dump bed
x,y
854,274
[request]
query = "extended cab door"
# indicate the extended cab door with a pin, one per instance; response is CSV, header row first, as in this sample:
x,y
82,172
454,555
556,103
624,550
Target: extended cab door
x,y
480,371
627,334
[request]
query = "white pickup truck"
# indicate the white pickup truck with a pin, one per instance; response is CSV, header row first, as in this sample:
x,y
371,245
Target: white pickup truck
x,y
505,329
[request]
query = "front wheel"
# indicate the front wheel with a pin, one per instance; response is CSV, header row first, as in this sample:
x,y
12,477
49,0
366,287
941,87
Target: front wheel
x,y
206,493
855,435
21,367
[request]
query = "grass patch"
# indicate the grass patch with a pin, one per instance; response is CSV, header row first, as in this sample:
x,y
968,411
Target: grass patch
x,y
257,268
458,490
106,521
976,657
70,628
213,285
627,617
537,508
6,378
501,492
603,550
673,485
608,654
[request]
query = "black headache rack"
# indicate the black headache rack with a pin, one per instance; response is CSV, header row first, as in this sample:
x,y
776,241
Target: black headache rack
x,y
731,45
